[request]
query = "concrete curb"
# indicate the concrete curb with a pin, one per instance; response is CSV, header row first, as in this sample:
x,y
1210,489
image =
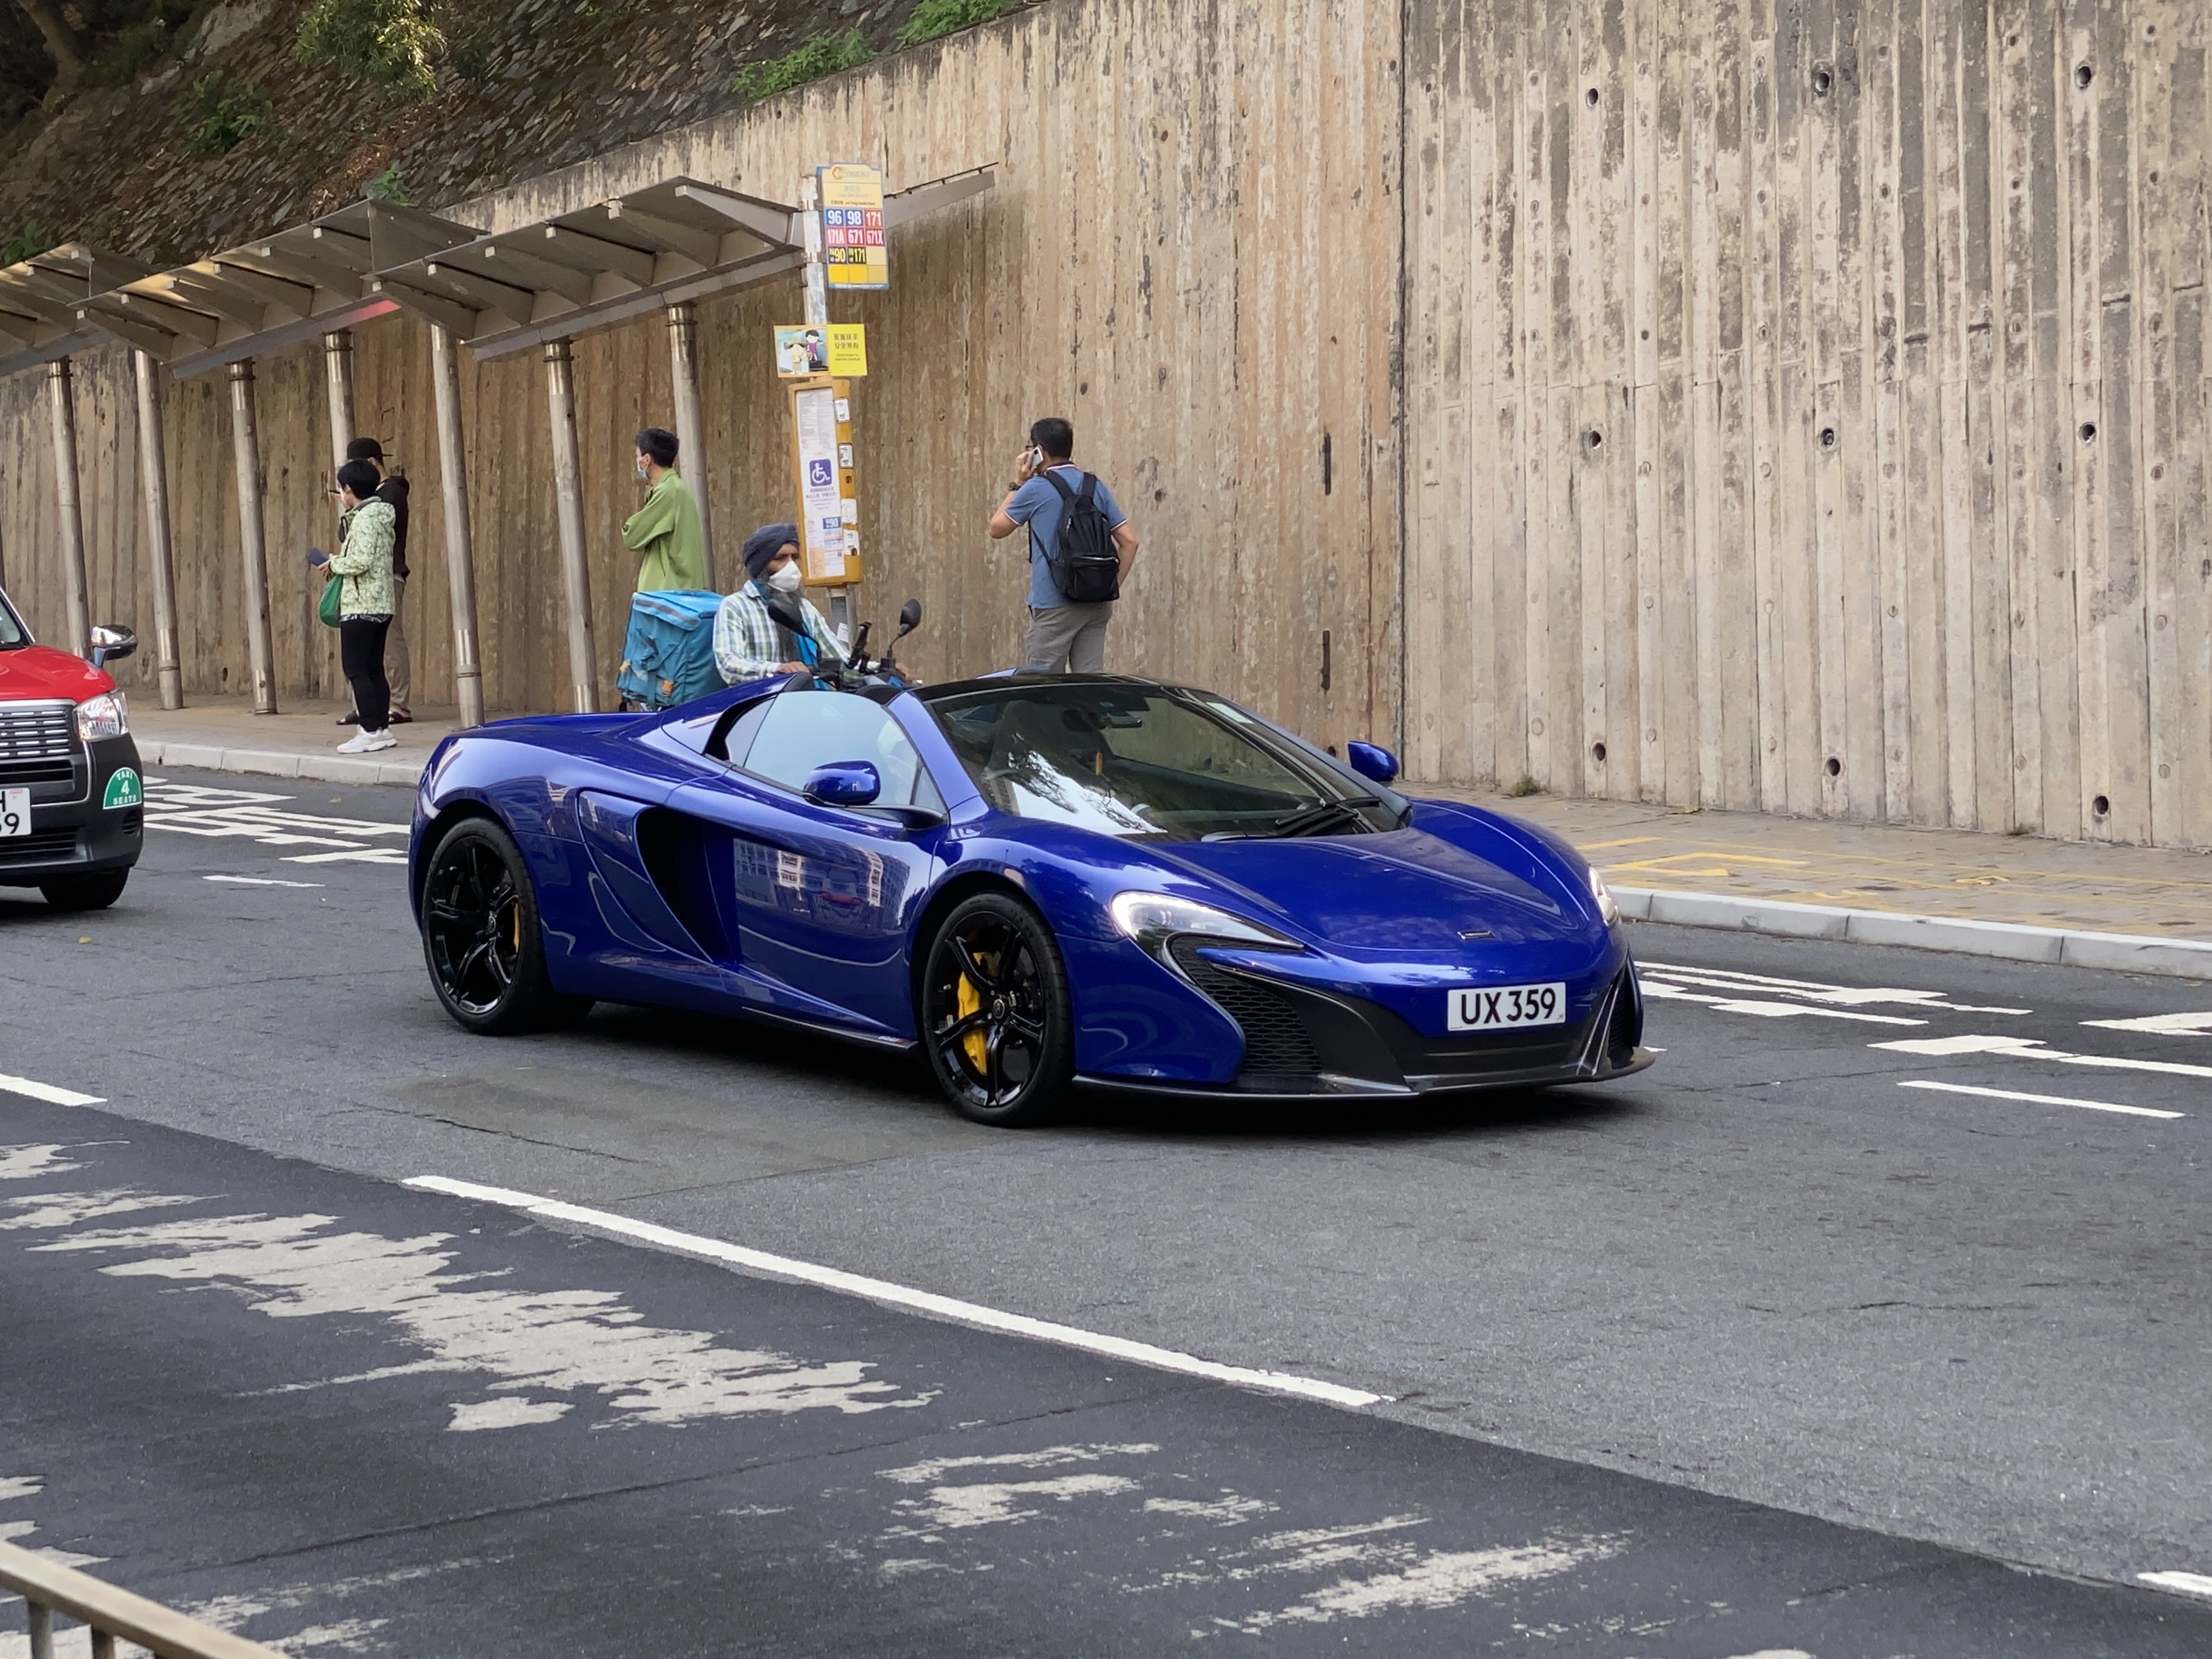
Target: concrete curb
x,y
278,763
2130,953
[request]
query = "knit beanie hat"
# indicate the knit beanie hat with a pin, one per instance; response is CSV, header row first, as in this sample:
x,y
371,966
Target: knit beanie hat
x,y
765,544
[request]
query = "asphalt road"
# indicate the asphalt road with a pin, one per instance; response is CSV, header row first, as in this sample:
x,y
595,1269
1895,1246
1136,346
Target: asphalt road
x,y
1848,1325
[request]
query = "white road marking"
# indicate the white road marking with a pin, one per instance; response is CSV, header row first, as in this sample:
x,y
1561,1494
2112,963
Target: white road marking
x,y
2163,1024
29,1162
2032,1048
1660,991
260,881
530,1341
2040,1100
1814,991
1439,1579
352,855
902,1296
2189,1583
47,1092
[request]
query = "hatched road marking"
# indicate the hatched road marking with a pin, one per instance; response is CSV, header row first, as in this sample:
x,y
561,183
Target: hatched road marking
x,y
2012,1048
2039,1100
1806,990
902,1296
2163,1024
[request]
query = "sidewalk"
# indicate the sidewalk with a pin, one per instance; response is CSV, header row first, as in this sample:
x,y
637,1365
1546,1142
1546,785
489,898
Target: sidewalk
x,y
2006,895
223,734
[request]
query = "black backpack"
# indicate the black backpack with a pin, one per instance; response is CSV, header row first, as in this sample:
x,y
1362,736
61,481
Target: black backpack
x,y
1085,567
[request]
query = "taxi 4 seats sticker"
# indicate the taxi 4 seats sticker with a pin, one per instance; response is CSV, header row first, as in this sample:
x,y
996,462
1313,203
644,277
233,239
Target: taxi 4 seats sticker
x,y
123,790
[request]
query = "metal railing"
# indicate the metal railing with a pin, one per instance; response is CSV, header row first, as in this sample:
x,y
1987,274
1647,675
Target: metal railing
x,y
51,1588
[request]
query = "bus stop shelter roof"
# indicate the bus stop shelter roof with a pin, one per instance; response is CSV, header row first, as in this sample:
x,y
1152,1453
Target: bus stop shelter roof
x,y
304,281
39,301
674,240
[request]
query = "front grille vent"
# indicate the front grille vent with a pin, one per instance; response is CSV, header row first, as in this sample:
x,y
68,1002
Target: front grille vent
x,y
40,846
38,742
1276,1043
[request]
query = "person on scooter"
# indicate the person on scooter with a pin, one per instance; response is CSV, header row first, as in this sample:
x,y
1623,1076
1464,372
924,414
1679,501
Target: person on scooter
x,y
767,627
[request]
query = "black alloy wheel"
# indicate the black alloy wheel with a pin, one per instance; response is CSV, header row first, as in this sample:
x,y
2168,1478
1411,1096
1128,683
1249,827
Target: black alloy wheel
x,y
996,1016
481,936
85,893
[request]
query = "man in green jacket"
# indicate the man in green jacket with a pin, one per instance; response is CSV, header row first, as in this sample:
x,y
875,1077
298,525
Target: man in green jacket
x,y
666,531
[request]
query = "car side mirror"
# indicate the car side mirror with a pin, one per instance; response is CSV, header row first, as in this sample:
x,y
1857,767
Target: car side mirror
x,y
1371,761
110,643
844,783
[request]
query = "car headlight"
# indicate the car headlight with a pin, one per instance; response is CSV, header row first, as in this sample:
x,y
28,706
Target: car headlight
x,y
103,716
1153,919
1607,911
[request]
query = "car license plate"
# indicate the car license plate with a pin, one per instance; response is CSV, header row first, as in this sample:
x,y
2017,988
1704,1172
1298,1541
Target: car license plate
x,y
15,812
1479,1009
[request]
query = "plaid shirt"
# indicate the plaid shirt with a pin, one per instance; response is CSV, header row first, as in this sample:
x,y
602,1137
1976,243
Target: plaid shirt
x,y
748,644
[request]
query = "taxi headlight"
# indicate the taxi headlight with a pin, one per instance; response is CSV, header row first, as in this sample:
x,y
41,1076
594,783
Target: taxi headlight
x,y
1607,910
106,715
1153,919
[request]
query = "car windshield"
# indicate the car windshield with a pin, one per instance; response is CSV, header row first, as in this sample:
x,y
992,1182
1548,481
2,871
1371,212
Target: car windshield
x,y
12,632
1146,760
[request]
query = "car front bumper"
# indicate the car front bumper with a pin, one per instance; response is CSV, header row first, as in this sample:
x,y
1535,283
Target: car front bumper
x,y
73,832
1318,1046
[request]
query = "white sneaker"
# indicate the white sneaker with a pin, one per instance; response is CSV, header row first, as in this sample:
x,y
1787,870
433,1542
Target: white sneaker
x,y
364,743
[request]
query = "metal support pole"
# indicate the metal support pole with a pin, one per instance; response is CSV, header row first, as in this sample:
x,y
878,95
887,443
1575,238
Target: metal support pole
x,y
460,548
337,373
818,316
154,480
245,440
42,1631
569,492
690,429
103,1645
79,606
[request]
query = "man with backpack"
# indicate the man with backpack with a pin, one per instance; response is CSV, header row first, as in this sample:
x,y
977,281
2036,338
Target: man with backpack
x,y
1081,547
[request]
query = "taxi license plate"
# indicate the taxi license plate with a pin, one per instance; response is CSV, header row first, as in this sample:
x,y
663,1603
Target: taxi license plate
x,y
1479,1009
15,812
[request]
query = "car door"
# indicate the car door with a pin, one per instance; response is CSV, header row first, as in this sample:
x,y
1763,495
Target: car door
x,y
817,899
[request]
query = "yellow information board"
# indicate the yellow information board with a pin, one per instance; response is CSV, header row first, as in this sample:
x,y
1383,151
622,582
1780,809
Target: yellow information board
x,y
808,348
854,255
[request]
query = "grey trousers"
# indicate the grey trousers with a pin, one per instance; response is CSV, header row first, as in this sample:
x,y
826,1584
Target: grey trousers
x,y
1067,639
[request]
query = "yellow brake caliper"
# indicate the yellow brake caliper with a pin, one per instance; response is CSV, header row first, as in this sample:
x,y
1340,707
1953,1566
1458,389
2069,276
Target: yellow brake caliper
x,y
968,999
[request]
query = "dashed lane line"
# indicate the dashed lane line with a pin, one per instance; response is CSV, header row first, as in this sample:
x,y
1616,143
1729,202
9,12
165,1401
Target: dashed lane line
x,y
902,1296
2039,1100
47,1092
260,881
2189,1583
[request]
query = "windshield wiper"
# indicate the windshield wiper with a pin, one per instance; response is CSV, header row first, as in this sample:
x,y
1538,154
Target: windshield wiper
x,y
1321,816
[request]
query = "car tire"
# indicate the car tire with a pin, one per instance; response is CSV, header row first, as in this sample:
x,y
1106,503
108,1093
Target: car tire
x,y
85,893
481,939
997,1020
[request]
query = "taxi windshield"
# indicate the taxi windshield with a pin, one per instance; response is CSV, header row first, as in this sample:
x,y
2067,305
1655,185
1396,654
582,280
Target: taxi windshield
x,y
1147,761
12,631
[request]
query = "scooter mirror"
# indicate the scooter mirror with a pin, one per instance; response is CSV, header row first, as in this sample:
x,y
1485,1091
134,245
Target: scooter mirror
x,y
909,616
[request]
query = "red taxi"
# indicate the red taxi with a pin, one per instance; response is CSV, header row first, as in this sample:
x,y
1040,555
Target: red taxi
x,y
72,803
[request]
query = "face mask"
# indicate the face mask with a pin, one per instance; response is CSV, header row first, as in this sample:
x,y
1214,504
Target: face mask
x,y
785,580
641,472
